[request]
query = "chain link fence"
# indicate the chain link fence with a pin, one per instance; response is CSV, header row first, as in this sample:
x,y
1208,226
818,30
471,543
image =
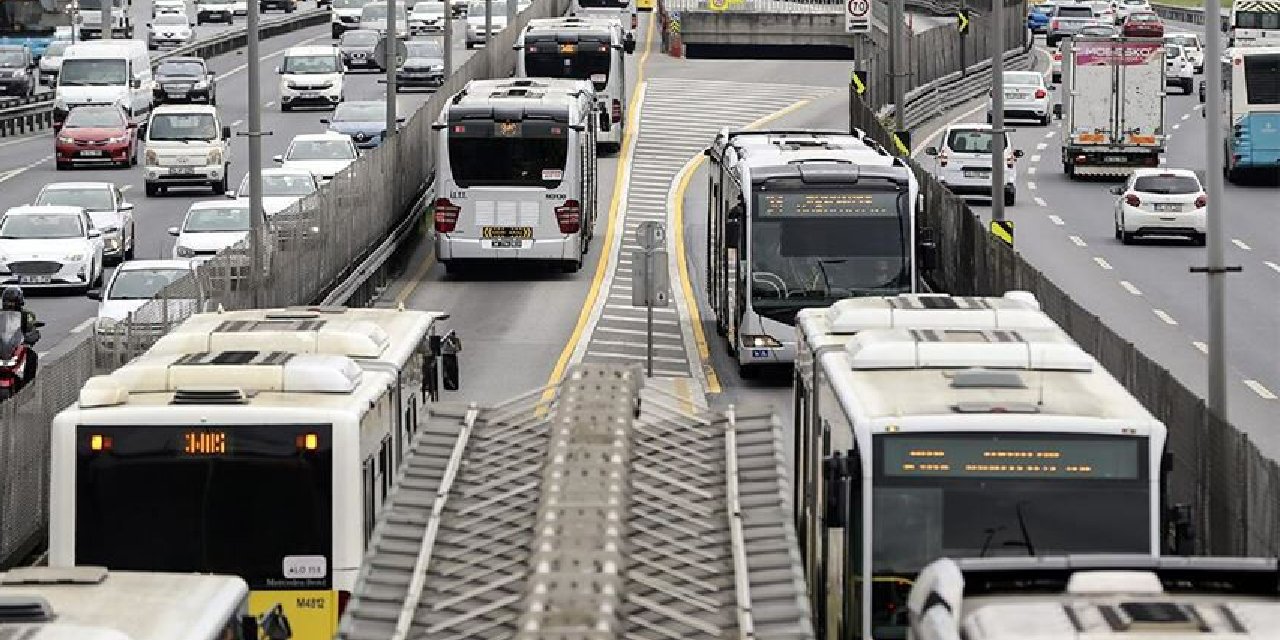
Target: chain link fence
x,y
307,249
1229,484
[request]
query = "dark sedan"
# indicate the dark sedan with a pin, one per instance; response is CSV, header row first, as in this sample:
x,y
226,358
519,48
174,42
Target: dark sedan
x,y
17,70
357,48
423,65
364,120
184,80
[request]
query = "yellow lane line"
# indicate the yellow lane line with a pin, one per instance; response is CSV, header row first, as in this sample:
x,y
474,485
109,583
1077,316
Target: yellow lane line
x,y
606,253
682,263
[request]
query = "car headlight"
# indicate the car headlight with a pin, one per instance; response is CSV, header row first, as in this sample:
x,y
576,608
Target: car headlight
x,y
150,158
215,157
66,140
109,229
291,84
185,252
760,341
73,257
201,85
118,140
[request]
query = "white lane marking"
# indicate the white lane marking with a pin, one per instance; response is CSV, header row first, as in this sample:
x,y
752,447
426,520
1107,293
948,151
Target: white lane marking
x,y
1050,134
1031,185
924,142
1186,116
11,173
1102,263
1128,286
1056,220
1176,126
1260,390
1035,157
271,104
237,123
126,187
1204,348
1079,242
1041,146
1040,201
1030,171
1274,267
244,66
1198,107
1240,243
1163,159
1160,313
88,322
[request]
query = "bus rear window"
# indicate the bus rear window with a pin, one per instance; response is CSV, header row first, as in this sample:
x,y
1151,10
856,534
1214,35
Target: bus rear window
x,y
1262,78
507,154
548,61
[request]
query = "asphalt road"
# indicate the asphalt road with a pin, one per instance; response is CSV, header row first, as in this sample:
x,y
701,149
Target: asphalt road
x,y
26,164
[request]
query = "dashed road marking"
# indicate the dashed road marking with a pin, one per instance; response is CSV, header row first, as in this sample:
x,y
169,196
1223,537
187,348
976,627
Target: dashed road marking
x,y
1102,262
1079,242
1031,171
1050,134
1262,391
1041,146
13,173
1128,286
237,123
1035,157
1040,201
1031,185
271,104
1204,348
1186,116
1176,126
1056,220
1274,267
1240,243
1168,319
126,187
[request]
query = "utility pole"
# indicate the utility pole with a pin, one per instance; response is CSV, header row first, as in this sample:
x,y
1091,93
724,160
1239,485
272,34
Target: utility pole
x,y
488,29
256,216
997,110
391,46
108,14
448,38
896,58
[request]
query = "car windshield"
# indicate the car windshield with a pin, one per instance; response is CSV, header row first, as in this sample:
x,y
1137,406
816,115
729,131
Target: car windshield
x,y
55,49
89,72
143,284
310,64
12,59
379,12
1166,184
424,49
180,69
1258,19
971,141
183,126
217,219
97,117
1042,9
428,9
360,112
476,9
1172,52
44,226
93,199
568,62
171,19
1262,79
532,158
321,150
360,38
1185,41
1023,79
280,186
1143,17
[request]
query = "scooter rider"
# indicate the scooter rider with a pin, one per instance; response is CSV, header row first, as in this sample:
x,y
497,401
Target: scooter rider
x,y
13,300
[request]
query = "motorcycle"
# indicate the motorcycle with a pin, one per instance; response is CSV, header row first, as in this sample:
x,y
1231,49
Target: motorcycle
x,y
15,352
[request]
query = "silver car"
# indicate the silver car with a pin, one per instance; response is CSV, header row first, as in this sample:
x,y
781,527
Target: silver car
x,y
1068,18
106,206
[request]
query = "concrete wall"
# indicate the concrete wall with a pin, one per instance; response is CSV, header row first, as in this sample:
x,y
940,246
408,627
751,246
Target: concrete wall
x,y
776,29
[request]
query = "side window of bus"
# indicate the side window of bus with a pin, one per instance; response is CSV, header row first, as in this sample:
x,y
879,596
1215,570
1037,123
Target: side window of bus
x,y
369,489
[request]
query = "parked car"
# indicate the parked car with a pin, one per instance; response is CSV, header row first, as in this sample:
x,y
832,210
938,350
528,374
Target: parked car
x,y
96,134
423,65
1025,96
1191,46
1143,24
427,17
357,48
364,120
137,283
185,79
323,154
107,208
1179,71
964,162
18,70
51,61
50,247
1160,202
214,11
168,30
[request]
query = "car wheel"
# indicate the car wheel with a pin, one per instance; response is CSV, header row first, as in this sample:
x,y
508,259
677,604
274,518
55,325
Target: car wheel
x,y
97,280
1010,197
1198,239
285,107
1044,121
1125,236
133,156
336,33
62,166
220,187
152,190
748,371
131,251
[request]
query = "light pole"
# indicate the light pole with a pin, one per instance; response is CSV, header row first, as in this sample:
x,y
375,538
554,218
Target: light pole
x,y
391,43
997,110
256,216
448,38
896,57
488,28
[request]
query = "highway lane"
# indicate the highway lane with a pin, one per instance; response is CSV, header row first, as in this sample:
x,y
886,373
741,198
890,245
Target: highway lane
x,y
73,314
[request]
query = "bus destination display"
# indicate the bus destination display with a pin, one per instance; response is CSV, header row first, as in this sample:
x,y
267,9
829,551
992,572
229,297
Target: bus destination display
x,y
832,204
1003,457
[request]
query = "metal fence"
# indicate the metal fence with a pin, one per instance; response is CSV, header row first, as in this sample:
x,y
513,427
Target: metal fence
x,y
309,250
1217,470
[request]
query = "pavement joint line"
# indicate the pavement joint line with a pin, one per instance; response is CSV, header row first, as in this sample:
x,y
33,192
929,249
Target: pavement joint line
x,y
1202,347
1262,391
1240,243
1168,319
1079,242
1056,220
1040,201
1274,267
1128,286
1102,262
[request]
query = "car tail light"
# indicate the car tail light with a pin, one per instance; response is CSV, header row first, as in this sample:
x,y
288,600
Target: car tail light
x,y
1202,202
1132,200
343,598
568,216
616,109
635,21
1040,93
1054,25
446,215
1057,55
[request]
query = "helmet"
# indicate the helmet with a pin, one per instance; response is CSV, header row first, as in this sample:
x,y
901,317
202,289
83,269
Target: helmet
x,y
11,298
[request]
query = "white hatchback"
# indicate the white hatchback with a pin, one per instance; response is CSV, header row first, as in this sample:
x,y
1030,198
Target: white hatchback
x,y
1160,202
1025,96
1191,46
963,163
1179,70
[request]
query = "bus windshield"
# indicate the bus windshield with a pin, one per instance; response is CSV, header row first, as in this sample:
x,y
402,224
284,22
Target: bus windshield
x,y
509,154
1253,19
811,246
1262,78
552,61
237,500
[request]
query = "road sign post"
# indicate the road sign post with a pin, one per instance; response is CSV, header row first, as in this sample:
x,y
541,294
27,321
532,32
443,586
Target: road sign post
x,y
652,283
857,16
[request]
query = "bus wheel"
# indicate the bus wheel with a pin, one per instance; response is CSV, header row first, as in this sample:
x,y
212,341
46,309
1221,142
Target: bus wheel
x,y
571,266
748,371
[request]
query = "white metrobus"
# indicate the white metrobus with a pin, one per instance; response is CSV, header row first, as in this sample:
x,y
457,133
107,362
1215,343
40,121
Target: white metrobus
x,y
964,443
92,603
624,11
1251,110
582,49
799,219
1254,23
257,443
516,173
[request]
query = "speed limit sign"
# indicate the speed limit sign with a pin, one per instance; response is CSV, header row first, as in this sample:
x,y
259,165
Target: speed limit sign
x,y
857,16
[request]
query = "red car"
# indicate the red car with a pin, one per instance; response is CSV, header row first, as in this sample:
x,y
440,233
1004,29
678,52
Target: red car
x,y
96,134
1143,24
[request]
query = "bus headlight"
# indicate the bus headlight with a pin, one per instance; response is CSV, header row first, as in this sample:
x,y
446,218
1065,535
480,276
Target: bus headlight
x,y
760,341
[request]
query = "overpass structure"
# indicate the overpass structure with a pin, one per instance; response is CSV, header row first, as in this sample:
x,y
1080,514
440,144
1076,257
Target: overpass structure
x,y
606,507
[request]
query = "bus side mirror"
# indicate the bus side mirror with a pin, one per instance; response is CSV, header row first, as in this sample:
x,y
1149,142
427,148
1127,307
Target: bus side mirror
x,y
928,250
629,44
606,123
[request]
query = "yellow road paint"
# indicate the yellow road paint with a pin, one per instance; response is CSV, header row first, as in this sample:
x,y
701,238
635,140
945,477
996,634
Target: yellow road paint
x,y
428,261
606,257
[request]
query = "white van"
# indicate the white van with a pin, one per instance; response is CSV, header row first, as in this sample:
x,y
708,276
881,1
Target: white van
x,y
516,173
310,76
582,49
187,146
373,16
624,11
105,72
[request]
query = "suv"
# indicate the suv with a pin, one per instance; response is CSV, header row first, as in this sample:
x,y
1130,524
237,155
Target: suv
x,y
963,164
214,11
185,79
17,70
1067,20
187,146
1191,46
1179,70
344,15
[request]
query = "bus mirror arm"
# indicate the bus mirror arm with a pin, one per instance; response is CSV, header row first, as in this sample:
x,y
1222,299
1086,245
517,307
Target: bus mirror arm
x,y
449,348
1182,529
835,471
928,250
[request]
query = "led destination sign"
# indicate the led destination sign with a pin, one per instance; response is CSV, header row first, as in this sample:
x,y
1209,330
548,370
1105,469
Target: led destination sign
x,y
1001,456
842,204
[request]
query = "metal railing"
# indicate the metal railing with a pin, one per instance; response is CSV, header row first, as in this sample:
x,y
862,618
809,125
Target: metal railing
x,y
933,99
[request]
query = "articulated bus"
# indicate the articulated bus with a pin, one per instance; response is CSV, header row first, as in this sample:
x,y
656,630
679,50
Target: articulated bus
x,y
516,173
1254,23
582,49
257,443
1251,111
964,443
799,219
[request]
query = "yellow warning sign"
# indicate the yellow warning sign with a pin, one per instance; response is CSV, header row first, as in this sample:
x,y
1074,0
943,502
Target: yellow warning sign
x,y
1003,229
859,85
962,21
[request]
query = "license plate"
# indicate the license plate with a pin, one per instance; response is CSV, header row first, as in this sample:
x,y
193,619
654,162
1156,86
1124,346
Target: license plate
x,y
176,94
506,243
1160,206
976,173
182,171
506,232
310,94
1014,96
91,153
35,279
1116,159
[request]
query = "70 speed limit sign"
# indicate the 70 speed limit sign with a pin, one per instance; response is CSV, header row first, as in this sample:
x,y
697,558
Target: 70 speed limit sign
x,y
857,16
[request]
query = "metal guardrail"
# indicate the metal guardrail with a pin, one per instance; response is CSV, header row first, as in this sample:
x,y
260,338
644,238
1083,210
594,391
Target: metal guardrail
x,y
1190,15
933,99
36,112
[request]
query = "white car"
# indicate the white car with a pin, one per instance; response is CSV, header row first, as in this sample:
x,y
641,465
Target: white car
x,y
168,6
1179,70
111,215
427,17
1160,202
1106,11
214,11
344,15
373,16
475,21
169,30
240,7
963,163
280,188
138,282
323,154
1191,46
310,76
50,247
1025,96
1126,7
212,226
51,61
